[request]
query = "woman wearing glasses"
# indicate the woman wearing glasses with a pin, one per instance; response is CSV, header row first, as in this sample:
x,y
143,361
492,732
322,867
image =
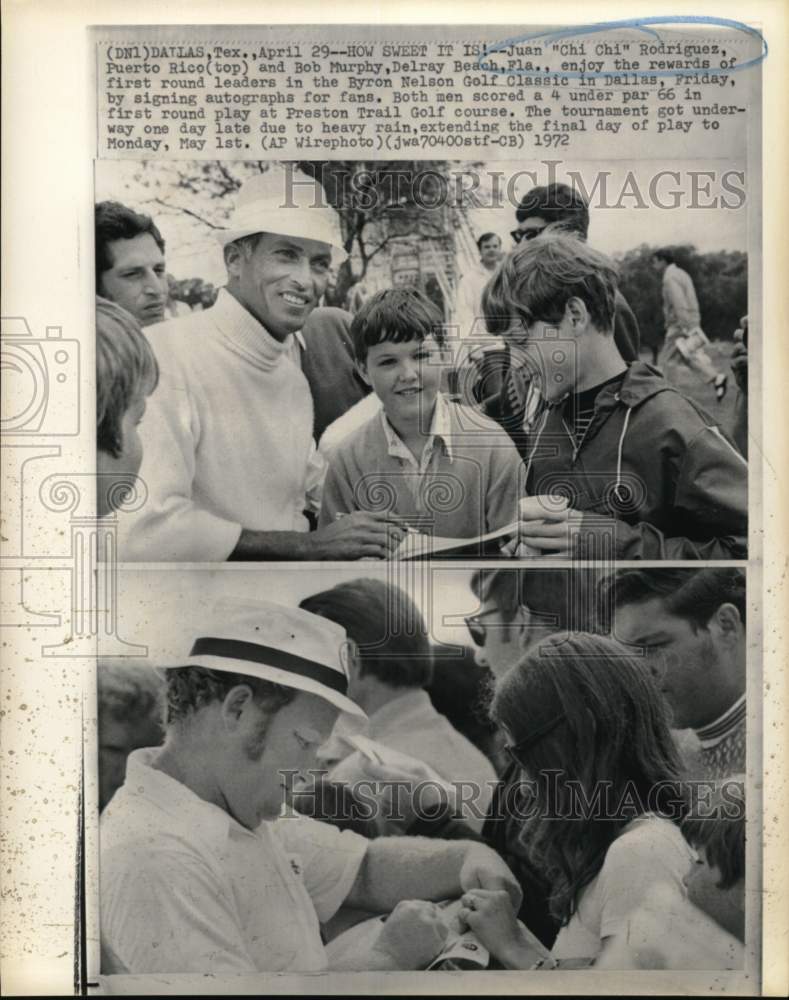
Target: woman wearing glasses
x,y
587,726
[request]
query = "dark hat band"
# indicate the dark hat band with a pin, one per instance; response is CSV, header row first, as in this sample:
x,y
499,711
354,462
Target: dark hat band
x,y
237,649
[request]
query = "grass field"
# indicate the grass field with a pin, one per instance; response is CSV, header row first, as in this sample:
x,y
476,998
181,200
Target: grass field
x,y
702,393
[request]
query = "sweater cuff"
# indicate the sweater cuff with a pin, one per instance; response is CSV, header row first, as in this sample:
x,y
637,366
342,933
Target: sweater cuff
x,y
196,536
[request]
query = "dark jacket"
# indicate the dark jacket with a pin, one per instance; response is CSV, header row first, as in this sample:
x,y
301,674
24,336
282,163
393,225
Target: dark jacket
x,y
655,475
328,365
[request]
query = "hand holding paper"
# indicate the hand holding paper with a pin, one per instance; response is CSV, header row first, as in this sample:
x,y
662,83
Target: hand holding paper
x,y
414,933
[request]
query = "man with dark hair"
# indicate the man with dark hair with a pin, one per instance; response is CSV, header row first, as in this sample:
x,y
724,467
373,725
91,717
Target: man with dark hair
x,y
549,204
685,339
130,268
203,872
230,462
472,281
690,624
391,665
520,608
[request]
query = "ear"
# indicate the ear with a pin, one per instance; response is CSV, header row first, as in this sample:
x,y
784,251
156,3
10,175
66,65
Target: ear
x,y
236,705
577,313
361,368
523,634
349,657
233,255
727,623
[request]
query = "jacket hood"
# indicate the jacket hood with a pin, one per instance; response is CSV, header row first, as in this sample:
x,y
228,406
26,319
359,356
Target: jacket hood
x,y
641,382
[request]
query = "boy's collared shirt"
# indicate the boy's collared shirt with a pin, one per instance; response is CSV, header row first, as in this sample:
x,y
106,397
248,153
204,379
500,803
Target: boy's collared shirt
x,y
460,489
440,436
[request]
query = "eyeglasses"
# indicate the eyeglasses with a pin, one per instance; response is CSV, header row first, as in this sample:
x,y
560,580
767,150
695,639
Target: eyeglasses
x,y
477,628
516,750
526,234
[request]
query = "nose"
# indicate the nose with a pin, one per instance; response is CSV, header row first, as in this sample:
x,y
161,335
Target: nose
x,y
302,272
153,283
658,665
409,370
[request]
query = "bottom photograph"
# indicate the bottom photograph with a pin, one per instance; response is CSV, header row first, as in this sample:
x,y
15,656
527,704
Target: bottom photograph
x,y
415,767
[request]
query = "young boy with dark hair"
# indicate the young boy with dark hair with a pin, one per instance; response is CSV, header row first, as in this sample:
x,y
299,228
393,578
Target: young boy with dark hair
x,y
441,467
648,474
716,884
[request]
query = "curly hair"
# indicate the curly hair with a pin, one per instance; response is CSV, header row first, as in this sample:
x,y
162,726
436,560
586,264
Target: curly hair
x,y
191,688
606,756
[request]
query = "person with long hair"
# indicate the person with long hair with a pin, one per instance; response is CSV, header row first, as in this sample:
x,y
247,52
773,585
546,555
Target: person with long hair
x,y
588,728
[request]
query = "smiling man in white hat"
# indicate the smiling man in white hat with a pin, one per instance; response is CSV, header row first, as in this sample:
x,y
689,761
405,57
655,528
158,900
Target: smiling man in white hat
x,y
201,872
230,465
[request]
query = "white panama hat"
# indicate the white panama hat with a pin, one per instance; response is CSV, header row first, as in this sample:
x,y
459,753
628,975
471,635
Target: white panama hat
x,y
288,203
274,643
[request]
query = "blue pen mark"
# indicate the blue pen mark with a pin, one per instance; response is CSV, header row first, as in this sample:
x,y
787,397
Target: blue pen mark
x,y
639,24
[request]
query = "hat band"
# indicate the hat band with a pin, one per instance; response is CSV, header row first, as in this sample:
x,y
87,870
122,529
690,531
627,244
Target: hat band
x,y
237,649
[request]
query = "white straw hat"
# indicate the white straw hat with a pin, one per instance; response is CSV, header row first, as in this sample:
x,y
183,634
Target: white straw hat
x,y
285,202
283,645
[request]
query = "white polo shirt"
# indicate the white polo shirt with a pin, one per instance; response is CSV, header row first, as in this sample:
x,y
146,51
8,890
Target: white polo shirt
x,y
185,888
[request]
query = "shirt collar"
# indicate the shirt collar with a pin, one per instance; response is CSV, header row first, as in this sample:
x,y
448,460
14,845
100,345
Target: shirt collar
x,y
203,819
440,430
248,336
724,725
410,703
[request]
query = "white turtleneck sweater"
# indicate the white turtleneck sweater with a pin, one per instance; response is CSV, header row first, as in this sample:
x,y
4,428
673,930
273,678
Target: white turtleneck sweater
x,y
227,439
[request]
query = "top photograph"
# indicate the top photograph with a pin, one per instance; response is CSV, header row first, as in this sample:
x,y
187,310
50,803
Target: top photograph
x,y
428,359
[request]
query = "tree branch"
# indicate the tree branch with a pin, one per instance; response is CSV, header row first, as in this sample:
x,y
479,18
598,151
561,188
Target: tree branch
x,y
187,211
